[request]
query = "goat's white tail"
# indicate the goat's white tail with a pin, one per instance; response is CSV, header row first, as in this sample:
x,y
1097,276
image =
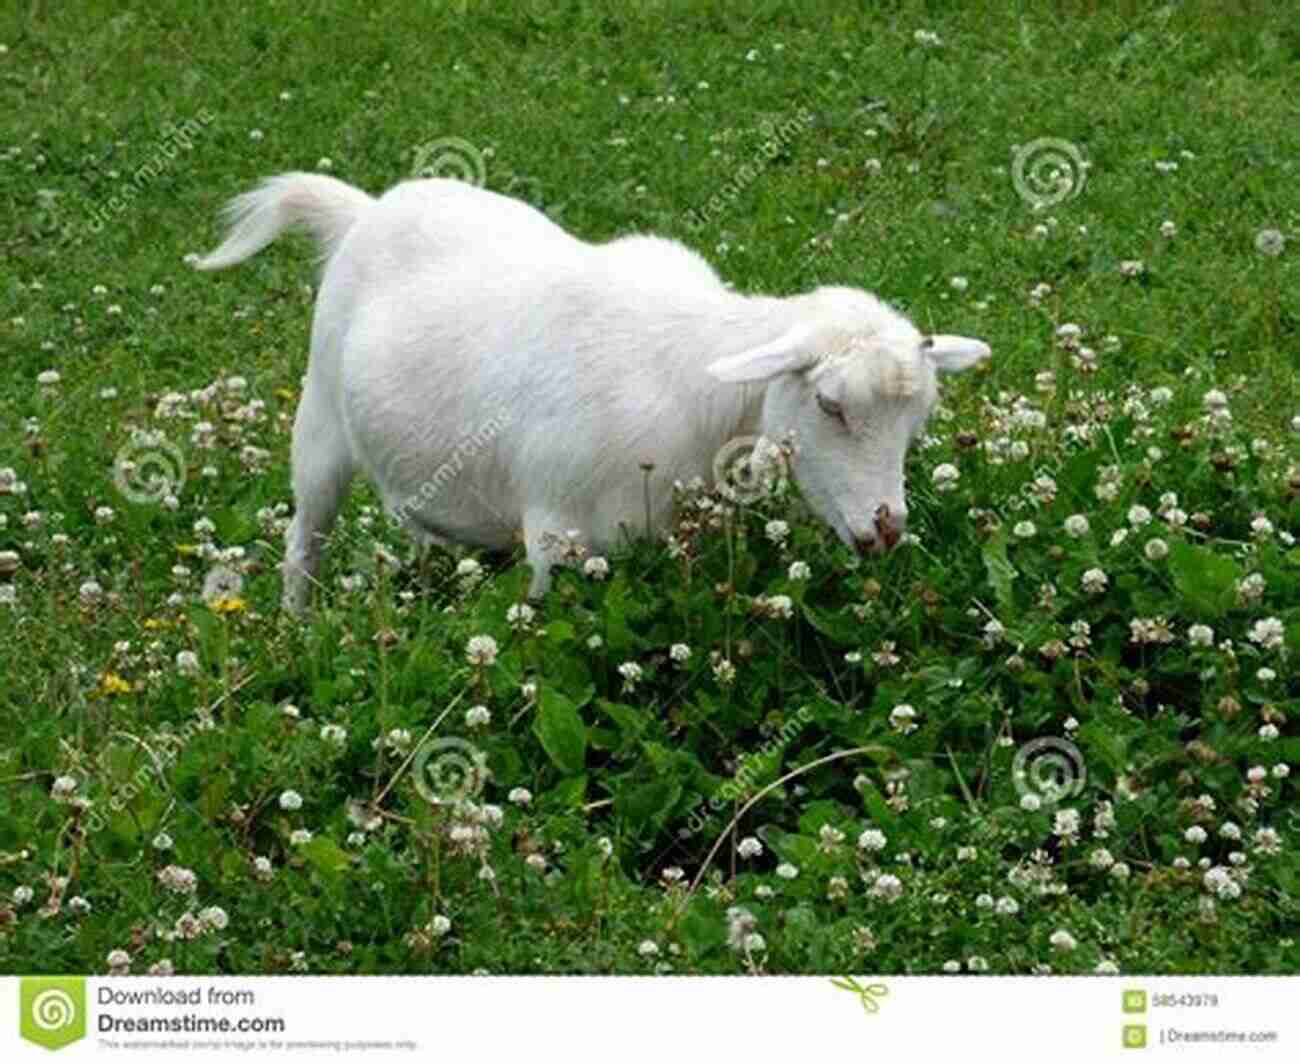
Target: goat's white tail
x,y
324,205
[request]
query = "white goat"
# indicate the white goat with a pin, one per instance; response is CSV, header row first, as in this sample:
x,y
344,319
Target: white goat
x,y
493,375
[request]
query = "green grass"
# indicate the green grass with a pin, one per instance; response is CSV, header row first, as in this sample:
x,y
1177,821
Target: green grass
x,y
121,134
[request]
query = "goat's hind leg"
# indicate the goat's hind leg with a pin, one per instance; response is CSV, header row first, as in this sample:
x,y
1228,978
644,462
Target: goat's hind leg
x,y
322,473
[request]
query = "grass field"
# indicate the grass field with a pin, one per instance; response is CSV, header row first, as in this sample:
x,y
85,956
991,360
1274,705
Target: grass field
x,y
1053,732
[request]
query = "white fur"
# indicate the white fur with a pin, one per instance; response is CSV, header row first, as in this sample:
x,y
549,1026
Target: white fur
x,y
493,375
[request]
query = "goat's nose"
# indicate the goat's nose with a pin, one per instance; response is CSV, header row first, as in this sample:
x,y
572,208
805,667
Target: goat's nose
x,y
890,525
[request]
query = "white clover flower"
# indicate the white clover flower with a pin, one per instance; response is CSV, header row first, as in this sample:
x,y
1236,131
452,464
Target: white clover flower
x,y
23,895
1138,516
1268,633
520,616
262,868
519,796
786,870
162,842
290,801
1156,549
1066,822
1268,842
631,673
648,948
90,593
1094,581
1196,834
1268,732
1270,242
887,887
1076,525
799,571
945,477
873,840
440,925
477,716
334,734
596,567
1024,530
903,718
178,880
749,847
214,918
63,788
1262,527
1007,906
300,837
959,283
1168,229
468,569
1214,400
777,532
1062,941
1218,880
680,653
1030,803
1200,635
481,650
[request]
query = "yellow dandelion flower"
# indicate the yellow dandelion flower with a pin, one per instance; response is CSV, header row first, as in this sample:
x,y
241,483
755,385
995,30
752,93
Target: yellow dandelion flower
x,y
110,683
229,604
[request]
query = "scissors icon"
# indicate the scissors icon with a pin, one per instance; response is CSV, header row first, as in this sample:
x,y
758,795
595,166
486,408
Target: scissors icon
x,y
866,994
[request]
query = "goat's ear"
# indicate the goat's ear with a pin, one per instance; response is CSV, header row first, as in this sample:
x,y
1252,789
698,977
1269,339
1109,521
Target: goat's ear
x,y
787,353
952,354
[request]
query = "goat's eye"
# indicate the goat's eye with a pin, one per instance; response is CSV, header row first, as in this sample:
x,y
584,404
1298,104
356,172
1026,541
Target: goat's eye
x,y
830,407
